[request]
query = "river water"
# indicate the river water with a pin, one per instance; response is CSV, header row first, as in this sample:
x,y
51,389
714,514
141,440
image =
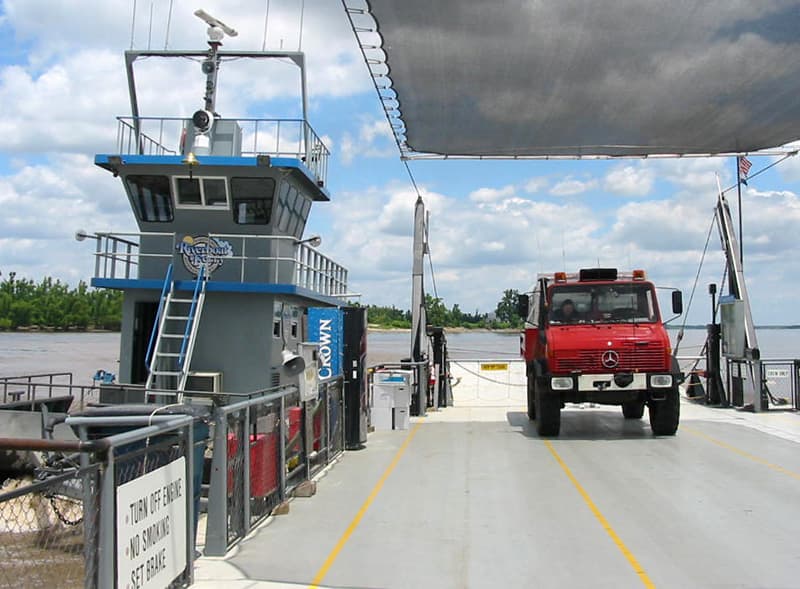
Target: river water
x,y
82,354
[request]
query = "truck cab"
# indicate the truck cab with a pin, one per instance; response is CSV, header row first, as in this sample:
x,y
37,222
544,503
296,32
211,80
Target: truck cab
x,y
598,336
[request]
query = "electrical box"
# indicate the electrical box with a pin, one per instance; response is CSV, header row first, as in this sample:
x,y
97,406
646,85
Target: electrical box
x,y
733,328
308,380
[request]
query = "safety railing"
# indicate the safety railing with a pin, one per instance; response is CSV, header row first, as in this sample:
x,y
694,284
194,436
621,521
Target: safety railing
x,y
290,138
294,262
49,534
116,510
780,380
27,391
264,448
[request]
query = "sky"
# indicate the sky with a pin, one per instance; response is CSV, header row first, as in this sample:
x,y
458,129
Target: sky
x,y
494,224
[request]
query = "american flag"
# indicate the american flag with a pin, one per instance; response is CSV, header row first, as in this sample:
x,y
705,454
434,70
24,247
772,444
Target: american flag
x,y
744,166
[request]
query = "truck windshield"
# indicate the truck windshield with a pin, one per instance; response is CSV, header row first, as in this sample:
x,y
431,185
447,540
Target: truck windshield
x,y
603,303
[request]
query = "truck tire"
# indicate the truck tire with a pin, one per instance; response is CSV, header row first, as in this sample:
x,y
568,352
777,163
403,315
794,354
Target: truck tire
x,y
531,397
633,409
548,413
665,415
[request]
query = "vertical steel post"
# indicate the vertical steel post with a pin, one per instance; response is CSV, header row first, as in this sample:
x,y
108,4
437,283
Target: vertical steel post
x,y
739,191
106,545
246,470
282,436
190,507
217,522
91,533
418,319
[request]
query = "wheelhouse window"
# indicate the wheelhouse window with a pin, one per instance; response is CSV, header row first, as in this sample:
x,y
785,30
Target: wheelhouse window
x,y
151,197
252,200
606,303
201,192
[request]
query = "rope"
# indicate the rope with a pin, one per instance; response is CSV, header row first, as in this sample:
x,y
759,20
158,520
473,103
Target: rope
x,y
169,22
433,274
694,287
133,22
762,170
150,27
411,176
266,20
302,16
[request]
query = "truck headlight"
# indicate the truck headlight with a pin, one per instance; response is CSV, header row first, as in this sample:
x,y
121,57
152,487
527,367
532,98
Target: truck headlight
x,y
661,380
561,383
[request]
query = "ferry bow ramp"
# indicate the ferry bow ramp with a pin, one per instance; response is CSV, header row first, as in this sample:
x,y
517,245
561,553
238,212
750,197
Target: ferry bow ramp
x,y
473,497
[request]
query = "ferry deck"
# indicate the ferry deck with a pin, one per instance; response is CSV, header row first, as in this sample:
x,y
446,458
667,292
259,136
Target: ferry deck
x,y
471,497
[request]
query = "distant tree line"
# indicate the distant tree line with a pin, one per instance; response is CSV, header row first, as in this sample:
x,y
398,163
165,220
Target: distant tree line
x,y
505,315
52,304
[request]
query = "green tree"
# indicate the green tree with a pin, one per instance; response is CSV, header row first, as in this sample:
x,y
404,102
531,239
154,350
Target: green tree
x,y
506,311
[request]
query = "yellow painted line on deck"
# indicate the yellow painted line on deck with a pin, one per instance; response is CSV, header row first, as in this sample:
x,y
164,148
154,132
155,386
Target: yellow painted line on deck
x,y
603,521
741,452
363,510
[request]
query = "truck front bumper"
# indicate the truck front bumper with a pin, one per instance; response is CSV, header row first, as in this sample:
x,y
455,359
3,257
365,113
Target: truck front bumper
x,y
611,388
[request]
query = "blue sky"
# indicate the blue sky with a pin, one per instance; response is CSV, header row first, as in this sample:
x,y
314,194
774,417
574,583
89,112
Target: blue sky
x,y
494,224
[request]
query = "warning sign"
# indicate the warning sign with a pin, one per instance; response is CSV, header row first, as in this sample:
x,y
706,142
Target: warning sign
x,y
495,366
151,528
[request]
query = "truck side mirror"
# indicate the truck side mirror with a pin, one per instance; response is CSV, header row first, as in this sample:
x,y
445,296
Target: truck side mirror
x,y
523,305
677,302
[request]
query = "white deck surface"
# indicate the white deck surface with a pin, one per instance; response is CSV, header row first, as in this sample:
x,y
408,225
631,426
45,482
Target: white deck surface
x,y
479,500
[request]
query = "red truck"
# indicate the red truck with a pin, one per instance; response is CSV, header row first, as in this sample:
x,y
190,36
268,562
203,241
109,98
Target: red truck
x,y
597,336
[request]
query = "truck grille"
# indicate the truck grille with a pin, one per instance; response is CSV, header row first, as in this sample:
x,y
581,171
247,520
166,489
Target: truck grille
x,y
631,359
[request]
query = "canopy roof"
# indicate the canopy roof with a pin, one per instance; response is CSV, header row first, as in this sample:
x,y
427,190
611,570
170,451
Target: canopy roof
x,y
576,78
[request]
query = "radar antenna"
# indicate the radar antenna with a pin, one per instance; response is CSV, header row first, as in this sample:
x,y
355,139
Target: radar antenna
x,y
216,32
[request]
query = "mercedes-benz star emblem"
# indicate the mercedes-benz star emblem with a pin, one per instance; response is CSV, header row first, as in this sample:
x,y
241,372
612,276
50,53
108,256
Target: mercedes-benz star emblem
x,y
610,359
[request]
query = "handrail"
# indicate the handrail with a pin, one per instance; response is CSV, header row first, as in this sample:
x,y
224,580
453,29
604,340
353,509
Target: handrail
x,y
167,282
190,320
311,269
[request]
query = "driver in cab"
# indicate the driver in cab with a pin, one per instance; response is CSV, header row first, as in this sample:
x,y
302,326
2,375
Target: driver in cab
x,y
566,313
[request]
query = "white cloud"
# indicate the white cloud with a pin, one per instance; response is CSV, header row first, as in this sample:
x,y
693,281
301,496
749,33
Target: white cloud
x,y
570,187
630,180
488,195
375,140
534,185
71,84
482,246
43,205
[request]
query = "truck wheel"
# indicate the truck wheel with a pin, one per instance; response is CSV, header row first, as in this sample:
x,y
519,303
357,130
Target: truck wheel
x,y
633,409
665,415
531,397
548,413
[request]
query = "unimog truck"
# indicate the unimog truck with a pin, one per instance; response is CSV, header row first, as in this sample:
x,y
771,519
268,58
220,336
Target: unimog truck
x,y
597,336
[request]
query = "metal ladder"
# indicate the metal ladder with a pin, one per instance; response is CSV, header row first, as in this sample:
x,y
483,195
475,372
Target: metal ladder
x,y
177,320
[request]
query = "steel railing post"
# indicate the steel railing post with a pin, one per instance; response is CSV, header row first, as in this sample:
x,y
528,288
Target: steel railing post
x,y
246,471
308,435
106,555
97,251
217,521
282,436
190,509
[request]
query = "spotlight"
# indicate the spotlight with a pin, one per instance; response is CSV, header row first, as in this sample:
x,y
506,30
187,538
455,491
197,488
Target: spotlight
x,y
202,121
